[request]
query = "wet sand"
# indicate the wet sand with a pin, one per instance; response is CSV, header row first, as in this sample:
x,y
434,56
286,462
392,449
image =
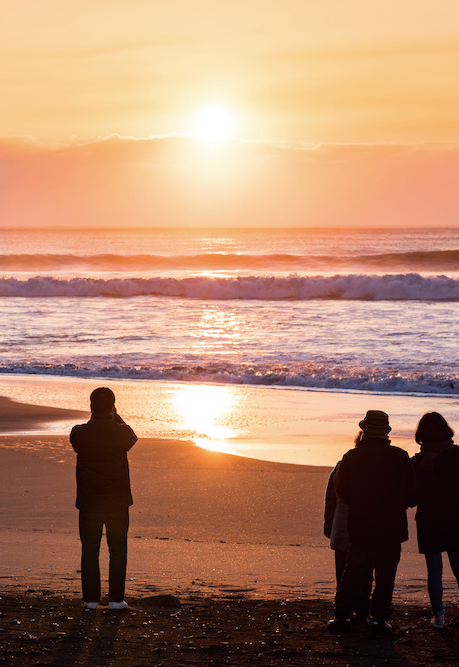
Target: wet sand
x,y
269,423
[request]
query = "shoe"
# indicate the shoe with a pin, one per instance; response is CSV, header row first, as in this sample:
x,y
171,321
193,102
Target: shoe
x,y
339,624
382,626
118,606
90,605
438,622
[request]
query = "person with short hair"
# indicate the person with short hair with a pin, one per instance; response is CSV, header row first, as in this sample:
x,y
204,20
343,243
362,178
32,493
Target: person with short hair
x,y
377,482
103,496
437,498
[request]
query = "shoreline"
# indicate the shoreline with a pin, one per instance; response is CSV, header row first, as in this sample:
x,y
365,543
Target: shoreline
x,y
16,417
299,427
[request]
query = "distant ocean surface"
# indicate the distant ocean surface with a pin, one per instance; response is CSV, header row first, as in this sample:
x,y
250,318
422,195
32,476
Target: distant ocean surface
x,y
376,311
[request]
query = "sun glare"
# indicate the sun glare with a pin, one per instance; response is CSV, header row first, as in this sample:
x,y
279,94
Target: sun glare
x,y
214,124
202,407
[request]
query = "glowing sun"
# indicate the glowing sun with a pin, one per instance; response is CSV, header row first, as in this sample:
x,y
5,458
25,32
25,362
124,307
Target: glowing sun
x,y
214,124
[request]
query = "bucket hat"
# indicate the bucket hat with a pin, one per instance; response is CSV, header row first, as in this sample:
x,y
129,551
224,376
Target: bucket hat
x,y
376,423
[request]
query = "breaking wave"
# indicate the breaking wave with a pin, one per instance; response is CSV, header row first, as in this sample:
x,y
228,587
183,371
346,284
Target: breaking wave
x,y
403,287
306,377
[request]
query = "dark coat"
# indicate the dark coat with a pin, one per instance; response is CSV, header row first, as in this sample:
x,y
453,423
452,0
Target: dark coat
x,y
437,498
377,482
102,467
335,515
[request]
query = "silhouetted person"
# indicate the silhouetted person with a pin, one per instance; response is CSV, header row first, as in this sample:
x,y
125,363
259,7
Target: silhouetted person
x,y
103,495
377,482
335,523
335,528
437,498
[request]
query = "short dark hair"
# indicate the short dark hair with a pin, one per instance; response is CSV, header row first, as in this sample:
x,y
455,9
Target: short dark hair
x,y
432,427
102,400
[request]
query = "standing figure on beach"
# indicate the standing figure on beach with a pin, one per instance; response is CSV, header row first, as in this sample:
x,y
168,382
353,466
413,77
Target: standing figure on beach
x,y
437,498
335,528
103,495
377,482
335,523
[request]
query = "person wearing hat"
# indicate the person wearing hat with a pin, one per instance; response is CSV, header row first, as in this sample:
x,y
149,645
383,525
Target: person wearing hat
x,y
103,496
377,482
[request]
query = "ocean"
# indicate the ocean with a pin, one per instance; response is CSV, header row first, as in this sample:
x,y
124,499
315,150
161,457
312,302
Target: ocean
x,y
350,311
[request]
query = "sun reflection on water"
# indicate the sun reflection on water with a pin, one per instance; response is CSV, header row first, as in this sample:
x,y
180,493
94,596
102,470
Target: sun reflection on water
x,y
204,409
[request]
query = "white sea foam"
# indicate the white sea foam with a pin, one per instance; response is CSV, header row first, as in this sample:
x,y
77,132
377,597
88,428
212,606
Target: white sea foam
x,y
402,287
366,380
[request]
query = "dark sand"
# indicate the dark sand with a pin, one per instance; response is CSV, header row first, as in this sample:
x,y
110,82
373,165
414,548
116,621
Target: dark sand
x,y
46,629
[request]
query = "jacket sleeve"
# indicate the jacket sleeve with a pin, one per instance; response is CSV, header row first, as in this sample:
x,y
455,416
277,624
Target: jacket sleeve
x,y
330,506
129,437
74,439
344,488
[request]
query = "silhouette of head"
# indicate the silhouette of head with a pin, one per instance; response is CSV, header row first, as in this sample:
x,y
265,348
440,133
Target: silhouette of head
x,y
433,427
375,423
102,400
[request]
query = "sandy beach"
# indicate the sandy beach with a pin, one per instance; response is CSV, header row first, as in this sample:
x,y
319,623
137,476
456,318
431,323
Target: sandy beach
x,y
206,527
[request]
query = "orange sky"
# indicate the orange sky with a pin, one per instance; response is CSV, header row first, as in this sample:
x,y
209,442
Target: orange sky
x,y
312,86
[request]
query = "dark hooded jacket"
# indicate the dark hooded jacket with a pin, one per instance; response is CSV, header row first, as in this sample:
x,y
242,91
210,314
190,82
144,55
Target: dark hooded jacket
x,y
377,482
437,498
102,467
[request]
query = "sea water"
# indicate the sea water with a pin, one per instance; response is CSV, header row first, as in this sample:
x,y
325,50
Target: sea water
x,y
362,312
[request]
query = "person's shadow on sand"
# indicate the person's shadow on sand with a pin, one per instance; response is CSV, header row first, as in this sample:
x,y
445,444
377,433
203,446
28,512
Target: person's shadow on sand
x,y
91,637
367,645
357,647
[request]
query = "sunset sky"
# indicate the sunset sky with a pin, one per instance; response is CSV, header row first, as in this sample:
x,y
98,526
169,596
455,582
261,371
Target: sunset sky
x,y
343,112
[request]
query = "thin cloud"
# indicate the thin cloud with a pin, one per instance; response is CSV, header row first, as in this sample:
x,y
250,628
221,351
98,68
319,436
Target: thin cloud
x,y
130,146
388,50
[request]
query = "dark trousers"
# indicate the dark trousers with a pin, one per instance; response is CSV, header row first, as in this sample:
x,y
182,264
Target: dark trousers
x,y
116,528
362,597
362,561
340,564
434,564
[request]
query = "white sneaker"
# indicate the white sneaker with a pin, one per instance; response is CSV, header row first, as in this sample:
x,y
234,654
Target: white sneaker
x,y
118,605
438,621
91,605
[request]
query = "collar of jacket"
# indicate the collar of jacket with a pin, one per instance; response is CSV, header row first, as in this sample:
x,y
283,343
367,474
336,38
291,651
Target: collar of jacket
x,y
431,450
437,446
98,415
373,440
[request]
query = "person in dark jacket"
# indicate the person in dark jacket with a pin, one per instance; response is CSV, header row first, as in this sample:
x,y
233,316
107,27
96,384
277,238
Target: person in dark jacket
x,y
335,528
103,495
377,482
437,498
335,523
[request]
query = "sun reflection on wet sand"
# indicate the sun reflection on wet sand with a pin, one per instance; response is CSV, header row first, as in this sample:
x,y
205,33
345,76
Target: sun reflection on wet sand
x,y
272,424
203,408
